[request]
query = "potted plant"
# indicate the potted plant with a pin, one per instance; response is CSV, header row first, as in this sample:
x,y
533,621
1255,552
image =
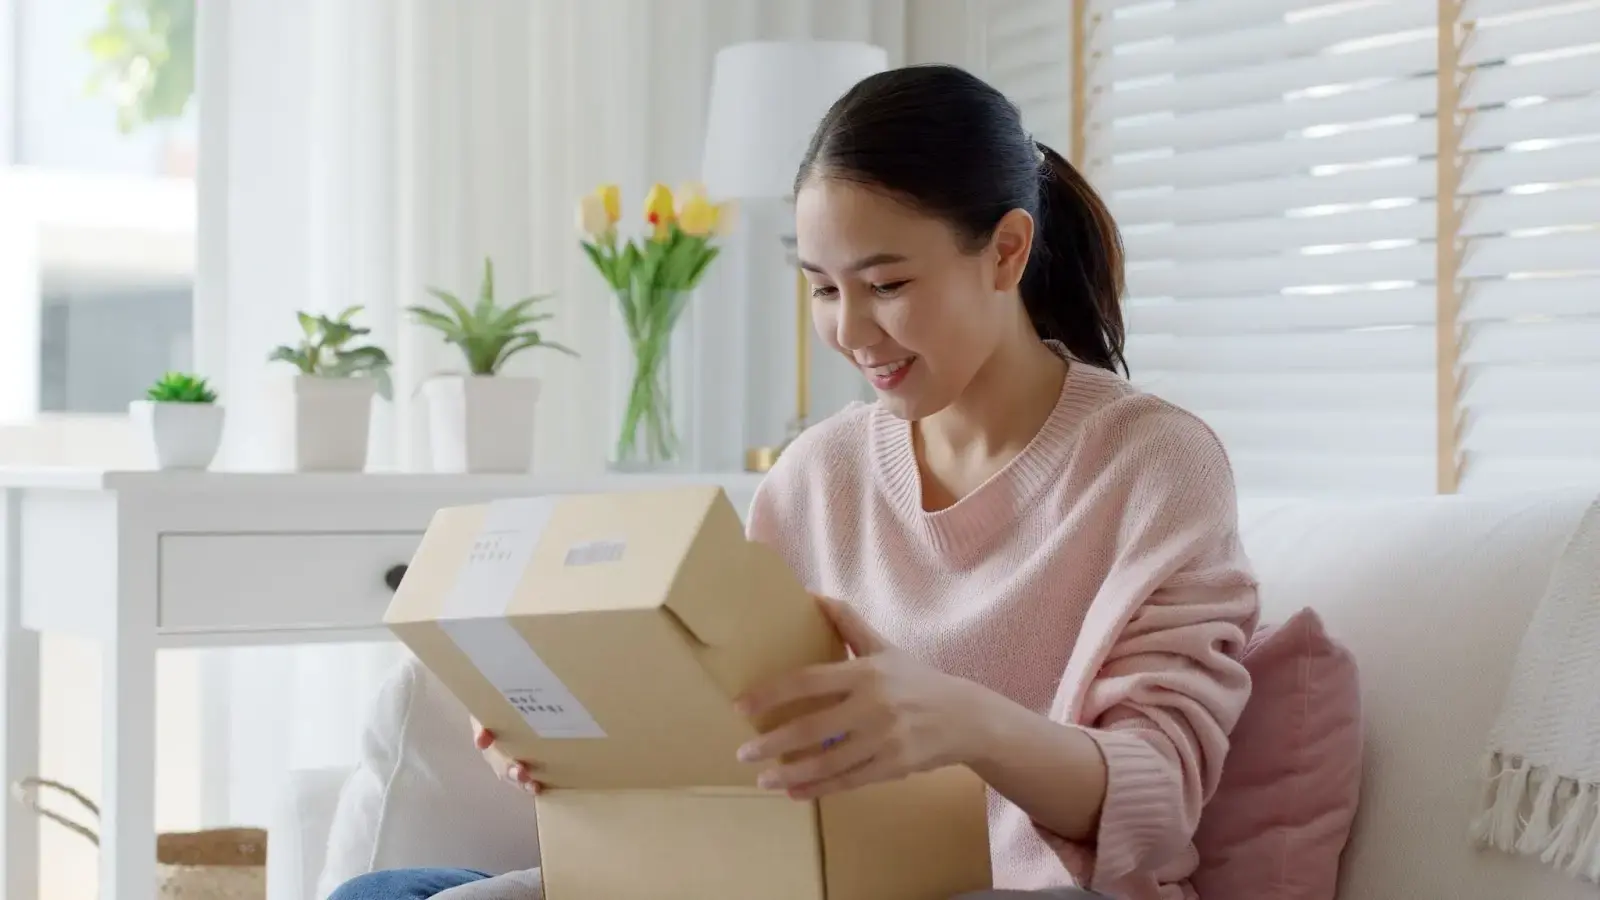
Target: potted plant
x,y
181,421
482,420
334,384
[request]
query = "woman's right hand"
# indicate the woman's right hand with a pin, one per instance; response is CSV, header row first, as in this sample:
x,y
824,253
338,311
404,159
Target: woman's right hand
x,y
512,771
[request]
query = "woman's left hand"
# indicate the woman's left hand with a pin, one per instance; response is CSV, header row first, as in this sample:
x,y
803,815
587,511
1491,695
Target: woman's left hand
x,y
894,717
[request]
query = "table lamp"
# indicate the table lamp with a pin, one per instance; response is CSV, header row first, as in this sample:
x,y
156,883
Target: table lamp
x,y
766,100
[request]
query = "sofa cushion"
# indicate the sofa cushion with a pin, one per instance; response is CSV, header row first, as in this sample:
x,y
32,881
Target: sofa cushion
x,y
422,795
1289,790
1432,596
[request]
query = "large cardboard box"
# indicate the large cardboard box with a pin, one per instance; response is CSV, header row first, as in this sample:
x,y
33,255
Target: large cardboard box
x,y
605,636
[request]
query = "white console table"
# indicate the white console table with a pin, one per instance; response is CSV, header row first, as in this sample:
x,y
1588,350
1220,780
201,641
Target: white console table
x,y
140,561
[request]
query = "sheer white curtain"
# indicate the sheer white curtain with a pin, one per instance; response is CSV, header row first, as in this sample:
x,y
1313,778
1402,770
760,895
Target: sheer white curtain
x,y
357,150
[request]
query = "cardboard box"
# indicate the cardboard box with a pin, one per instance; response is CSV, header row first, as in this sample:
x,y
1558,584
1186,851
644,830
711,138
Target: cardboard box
x,y
606,635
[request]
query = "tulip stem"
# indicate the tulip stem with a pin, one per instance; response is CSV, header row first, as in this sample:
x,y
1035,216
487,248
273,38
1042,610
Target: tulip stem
x,y
648,435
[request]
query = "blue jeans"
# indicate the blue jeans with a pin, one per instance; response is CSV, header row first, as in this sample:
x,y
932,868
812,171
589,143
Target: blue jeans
x,y
422,884
404,884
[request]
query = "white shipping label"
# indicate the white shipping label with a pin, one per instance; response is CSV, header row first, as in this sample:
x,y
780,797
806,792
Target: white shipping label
x,y
474,618
520,676
499,557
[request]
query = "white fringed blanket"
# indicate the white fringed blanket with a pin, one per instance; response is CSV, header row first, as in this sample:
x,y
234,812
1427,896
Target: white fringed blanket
x,y
1542,789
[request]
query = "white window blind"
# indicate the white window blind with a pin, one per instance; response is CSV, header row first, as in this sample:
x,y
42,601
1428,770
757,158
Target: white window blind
x,y
1275,166
1530,239
1024,50
1272,166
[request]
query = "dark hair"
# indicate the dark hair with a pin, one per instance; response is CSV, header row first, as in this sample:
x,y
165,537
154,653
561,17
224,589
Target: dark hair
x,y
948,143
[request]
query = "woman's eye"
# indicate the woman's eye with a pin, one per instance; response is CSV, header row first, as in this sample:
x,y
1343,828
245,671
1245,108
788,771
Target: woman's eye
x,y
888,290
823,290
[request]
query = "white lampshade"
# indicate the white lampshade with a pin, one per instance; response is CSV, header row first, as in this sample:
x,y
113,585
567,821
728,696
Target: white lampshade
x,y
766,100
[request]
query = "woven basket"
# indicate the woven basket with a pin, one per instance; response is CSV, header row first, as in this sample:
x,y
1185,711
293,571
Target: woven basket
x,y
218,864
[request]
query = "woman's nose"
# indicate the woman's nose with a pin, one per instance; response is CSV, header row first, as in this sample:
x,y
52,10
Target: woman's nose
x,y
856,328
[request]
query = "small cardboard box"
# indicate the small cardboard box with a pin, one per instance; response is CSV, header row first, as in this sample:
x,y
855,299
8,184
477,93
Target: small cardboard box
x,y
605,636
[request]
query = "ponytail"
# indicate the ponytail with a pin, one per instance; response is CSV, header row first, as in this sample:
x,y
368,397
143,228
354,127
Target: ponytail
x,y
1072,287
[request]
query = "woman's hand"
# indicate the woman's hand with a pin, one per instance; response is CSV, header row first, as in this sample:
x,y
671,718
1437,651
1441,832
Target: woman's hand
x,y
511,771
894,717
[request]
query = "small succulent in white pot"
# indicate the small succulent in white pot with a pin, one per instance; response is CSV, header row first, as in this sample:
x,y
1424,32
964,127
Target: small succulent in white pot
x,y
337,375
483,421
181,421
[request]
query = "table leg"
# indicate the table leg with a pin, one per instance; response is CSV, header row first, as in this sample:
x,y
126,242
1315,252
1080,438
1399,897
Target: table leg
x,y
127,815
19,711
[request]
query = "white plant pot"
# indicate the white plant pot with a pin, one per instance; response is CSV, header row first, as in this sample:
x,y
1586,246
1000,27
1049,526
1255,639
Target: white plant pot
x,y
332,423
179,435
481,423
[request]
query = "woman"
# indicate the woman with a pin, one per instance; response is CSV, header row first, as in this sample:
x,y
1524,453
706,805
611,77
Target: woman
x,y
1036,565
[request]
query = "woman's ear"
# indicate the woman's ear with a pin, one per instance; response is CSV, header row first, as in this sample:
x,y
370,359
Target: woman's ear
x,y
1013,239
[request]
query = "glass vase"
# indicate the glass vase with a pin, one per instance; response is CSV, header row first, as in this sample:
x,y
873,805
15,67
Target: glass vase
x,y
647,437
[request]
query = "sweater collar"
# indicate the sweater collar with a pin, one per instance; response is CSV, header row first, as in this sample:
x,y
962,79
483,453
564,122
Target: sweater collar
x,y
967,524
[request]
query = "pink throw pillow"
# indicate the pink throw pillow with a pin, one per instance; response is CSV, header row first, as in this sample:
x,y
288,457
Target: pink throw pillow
x,y
1281,816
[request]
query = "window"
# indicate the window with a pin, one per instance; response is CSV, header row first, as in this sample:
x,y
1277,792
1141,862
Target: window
x,y
107,212
1276,168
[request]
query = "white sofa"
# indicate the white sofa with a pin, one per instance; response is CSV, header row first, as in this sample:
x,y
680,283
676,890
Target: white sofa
x,y
1431,595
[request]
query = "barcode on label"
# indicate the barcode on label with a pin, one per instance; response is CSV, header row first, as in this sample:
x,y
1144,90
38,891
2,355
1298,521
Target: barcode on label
x,y
594,553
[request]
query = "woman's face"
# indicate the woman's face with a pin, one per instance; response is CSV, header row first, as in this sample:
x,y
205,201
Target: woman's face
x,y
893,292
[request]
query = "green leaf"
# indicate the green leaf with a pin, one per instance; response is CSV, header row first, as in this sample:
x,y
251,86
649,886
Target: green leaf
x,y
363,359
308,323
299,357
180,387
462,314
350,313
437,321
700,267
563,348
335,334
600,262
486,291
484,354
514,315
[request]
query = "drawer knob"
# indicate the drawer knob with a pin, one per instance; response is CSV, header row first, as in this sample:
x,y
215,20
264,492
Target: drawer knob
x,y
394,576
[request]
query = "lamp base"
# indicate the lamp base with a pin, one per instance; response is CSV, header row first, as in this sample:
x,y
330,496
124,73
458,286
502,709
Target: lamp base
x,y
762,459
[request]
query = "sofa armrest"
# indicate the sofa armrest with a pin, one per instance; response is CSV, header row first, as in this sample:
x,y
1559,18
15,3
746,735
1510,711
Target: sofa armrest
x,y
297,835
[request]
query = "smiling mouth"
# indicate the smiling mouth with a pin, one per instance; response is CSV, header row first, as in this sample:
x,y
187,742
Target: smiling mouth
x,y
888,369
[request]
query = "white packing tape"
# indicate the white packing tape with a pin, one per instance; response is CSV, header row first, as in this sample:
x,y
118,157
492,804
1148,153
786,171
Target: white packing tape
x,y
474,616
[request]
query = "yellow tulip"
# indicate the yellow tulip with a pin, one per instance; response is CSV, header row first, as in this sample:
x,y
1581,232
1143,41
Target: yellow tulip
x,y
697,217
658,205
658,211
688,191
611,197
727,218
592,218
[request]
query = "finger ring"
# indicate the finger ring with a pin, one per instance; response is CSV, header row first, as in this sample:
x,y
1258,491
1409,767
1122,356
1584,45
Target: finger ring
x,y
833,740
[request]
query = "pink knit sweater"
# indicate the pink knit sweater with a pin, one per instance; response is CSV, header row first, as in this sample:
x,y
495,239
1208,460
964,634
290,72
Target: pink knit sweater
x,y
1097,579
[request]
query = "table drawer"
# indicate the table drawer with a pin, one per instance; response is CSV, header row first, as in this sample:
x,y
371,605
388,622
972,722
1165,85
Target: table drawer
x,y
271,581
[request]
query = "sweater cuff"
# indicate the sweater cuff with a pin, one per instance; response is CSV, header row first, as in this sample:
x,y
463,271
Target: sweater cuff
x,y
1138,816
